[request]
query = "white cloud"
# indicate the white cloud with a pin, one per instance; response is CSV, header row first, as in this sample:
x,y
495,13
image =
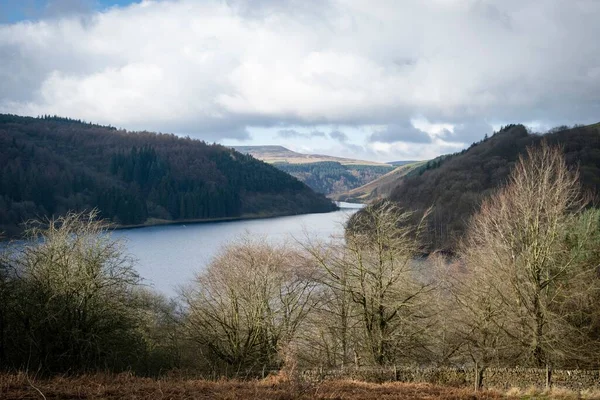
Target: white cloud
x,y
219,69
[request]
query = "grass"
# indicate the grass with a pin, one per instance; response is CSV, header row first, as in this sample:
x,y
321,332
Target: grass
x,y
109,387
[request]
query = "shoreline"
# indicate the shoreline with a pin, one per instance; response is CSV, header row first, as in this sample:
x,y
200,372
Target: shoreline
x,y
159,222
245,217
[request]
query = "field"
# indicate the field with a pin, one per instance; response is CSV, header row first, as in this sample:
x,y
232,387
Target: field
x,y
106,387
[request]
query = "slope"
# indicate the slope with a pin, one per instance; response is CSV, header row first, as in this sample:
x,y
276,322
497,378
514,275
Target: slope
x,y
382,186
455,185
51,165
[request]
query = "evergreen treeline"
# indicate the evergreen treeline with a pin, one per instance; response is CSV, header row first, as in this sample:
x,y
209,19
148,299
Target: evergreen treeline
x,y
454,185
330,177
50,165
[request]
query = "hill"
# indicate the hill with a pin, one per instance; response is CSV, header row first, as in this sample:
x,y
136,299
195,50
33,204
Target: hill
x,y
455,185
380,187
324,174
280,154
50,165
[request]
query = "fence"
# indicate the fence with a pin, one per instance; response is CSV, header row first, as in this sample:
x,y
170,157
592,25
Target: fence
x,y
501,378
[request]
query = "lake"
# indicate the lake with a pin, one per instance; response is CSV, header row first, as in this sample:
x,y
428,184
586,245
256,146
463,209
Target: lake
x,y
169,256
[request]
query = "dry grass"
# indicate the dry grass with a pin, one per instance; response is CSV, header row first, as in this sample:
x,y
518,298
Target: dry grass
x,y
553,393
108,387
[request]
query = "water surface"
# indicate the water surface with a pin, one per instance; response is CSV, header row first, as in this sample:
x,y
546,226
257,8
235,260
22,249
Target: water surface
x,y
169,256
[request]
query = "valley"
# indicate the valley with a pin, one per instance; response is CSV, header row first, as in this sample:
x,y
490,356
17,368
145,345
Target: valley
x,y
324,174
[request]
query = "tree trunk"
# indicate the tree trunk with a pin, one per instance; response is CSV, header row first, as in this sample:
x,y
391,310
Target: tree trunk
x,y
479,372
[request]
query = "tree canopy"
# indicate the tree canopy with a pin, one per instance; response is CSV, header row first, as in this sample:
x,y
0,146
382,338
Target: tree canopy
x,y
51,165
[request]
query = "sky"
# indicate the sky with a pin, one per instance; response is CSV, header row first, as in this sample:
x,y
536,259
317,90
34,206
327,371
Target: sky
x,y
381,80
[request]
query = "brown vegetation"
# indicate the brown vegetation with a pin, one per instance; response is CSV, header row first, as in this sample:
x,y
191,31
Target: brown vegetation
x,y
124,386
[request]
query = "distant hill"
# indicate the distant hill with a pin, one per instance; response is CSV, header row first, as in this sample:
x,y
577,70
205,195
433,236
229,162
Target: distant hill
x,y
455,184
324,174
279,154
51,165
381,187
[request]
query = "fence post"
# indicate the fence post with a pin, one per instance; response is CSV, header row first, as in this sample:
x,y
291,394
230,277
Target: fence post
x,y
548,377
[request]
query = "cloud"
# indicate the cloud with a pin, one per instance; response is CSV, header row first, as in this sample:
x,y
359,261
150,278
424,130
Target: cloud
x,y
404,132
289,133
339,136
471,131
316,133
214,69
292,133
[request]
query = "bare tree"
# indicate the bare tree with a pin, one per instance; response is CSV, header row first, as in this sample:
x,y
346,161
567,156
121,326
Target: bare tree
x,y
74,288
247,306
377,271
332,336
524,265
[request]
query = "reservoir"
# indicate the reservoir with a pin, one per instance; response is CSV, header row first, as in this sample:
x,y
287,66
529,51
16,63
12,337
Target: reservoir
x,y
169,256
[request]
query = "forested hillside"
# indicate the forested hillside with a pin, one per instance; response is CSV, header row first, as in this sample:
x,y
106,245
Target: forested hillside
x,y
455,185
50,165
330,177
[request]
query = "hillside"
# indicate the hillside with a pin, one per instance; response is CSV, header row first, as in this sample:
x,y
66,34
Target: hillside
x,y
50,165
324,174
382,186
330,177
455,185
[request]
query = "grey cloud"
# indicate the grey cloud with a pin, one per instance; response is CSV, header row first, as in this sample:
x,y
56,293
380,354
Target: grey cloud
x,y
471,131
492,13
405,132
339,136
289,133
213,130
292,133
